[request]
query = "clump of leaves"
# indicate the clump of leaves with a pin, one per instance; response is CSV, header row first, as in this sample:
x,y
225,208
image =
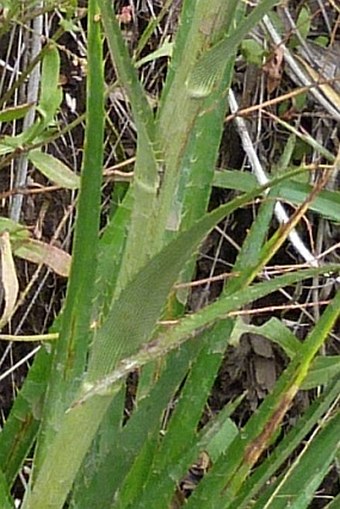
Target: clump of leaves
x,y
125,306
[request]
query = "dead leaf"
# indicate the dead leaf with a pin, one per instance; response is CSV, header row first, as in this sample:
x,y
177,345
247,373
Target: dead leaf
x,y
274,69
9,278
39,252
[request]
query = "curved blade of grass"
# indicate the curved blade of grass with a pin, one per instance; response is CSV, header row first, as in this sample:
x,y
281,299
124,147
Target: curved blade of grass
x,y
165,50
146,173
210,66
183,123
227,477
192,326
109,350
5,497
264,472
17,436
181,435
327,203
296,489
145,420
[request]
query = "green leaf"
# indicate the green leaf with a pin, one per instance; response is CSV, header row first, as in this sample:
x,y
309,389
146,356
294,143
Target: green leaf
x,y
5,497
274,330
17,230
50,92
326,203
322,371
54,169
17,436
218,434
146,171
264,472
303,24
297,488
252,51
209,67
71,350
163,51
130,491
182,124
14,113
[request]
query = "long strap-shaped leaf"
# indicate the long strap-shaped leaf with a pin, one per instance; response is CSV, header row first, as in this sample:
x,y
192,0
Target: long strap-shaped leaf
x,y
296,489
129,324
71,349
208,69
182,105
146,174
80,423
263,473
229,473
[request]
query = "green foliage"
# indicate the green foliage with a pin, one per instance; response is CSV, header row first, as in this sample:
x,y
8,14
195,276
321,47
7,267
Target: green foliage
x,y
252,52
303,24
122,292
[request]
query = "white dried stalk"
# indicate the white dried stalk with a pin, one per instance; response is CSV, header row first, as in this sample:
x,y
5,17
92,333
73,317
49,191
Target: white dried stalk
x,y
32,97
262,178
